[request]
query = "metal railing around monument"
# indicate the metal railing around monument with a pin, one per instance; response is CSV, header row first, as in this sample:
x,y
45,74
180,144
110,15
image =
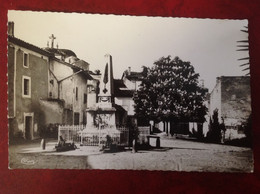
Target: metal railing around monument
x,y
78,134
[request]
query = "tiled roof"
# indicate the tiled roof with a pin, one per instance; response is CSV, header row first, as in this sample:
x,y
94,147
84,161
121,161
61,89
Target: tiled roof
x,y
119,92
119,108
87,74
124,93
64,52
29,46
118,83
34,48
82,64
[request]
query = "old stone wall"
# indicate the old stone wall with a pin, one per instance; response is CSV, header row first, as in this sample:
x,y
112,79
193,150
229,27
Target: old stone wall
x,y
232,97
53,82
236,99
37,73
53,111
80,104
11,55
64,89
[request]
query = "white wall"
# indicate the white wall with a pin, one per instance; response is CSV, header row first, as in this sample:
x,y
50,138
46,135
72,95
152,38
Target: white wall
x,y
127,103
215,100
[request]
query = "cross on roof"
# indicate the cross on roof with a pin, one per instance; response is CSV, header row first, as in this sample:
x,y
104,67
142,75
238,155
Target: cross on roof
x,y
52,37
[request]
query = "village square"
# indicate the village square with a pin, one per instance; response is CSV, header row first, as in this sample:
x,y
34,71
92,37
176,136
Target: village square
x,y
62,115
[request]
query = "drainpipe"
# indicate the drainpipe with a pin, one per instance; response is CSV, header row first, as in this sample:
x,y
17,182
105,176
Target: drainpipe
x,y
73,85
15,56
58,90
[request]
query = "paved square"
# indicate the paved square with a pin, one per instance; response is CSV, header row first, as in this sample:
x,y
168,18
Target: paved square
x,y
174,155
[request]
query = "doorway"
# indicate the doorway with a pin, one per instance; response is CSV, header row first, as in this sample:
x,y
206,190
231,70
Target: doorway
x,y
28,125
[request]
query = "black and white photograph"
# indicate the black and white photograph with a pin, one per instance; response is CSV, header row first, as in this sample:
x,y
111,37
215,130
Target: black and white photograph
x,y
118,92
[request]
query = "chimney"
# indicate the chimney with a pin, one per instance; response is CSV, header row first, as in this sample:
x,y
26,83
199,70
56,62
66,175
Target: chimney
x,y
129,70
11,28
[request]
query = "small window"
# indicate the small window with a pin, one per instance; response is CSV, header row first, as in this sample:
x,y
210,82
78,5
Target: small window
x,y
76,118
76,93
25,60
85,98
84,118
52,82
26,87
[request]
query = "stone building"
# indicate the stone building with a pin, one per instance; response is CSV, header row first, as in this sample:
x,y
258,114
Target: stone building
x,y
132,79
68,86
27,85
125,91
231,96
45,86
124,102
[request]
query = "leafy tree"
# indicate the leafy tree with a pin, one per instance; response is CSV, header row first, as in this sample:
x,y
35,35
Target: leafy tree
x,y
244,46
214,133
170,91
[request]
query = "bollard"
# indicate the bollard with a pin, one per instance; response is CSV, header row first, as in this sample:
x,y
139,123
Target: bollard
x,y
81,139
158,143
43,144
134,146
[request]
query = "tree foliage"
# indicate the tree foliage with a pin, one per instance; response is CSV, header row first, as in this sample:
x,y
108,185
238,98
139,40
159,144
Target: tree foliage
x,y
170,91
214,133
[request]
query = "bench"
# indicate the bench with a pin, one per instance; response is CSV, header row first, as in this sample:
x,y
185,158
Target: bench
x,y
157,140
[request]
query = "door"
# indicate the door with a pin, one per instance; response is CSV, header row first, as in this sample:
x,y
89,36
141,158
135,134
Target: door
x,y
28,127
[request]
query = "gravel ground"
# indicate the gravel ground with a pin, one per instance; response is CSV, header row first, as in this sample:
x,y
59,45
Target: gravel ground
x,y
175,155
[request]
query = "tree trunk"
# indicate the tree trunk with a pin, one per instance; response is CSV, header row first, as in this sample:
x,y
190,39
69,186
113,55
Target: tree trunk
x,y
166,123
134,150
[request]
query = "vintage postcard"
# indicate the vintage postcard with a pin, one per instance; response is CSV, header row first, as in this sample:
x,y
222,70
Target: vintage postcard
x,y
91,91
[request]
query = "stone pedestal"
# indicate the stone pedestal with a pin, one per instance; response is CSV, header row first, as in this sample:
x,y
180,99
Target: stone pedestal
x,y
102,114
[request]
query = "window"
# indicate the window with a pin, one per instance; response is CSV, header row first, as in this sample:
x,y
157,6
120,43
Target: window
x,y
76,118
26,87
25,60
84,119
76,93
85,98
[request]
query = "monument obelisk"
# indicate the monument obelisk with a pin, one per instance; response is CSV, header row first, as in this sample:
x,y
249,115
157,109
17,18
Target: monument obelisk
x,y
103,113
106,96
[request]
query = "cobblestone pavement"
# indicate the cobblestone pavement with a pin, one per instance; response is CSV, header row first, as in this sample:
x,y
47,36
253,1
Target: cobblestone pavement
x,y
175,155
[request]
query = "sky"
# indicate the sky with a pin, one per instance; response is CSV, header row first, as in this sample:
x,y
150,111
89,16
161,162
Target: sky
x,y
135,41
